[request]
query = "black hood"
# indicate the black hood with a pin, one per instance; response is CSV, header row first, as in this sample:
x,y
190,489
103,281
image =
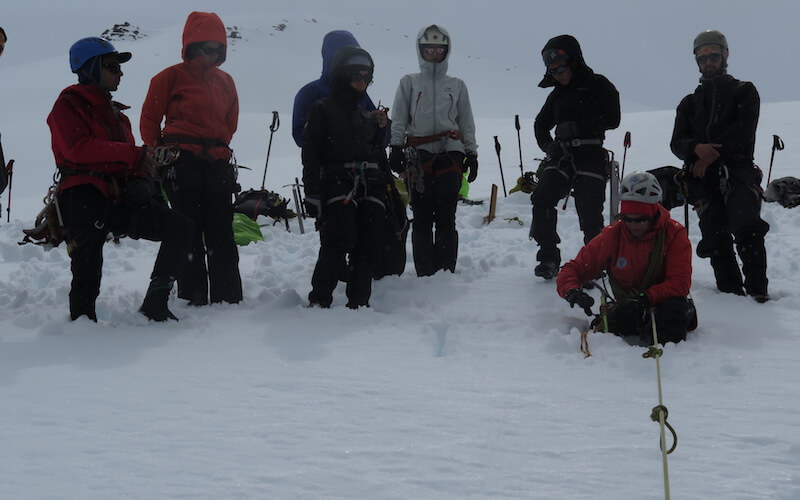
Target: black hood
x,y
570,45
340,81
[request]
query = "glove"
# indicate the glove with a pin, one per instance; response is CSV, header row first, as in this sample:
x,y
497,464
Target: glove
x,y
555,152
631,315
567,130
471,164
578,297
313,205
139,192
397,159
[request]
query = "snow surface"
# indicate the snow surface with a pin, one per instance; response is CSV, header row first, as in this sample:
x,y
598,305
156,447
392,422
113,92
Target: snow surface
x,y
465,385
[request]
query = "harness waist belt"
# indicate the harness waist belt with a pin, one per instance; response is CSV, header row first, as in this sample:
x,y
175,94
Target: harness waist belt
x,y
65,171
575,143
200,141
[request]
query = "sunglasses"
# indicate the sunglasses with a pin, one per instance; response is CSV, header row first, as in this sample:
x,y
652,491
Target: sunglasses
x,y
635,220
714,57
432,50
359,76
210,51
558,69
113,67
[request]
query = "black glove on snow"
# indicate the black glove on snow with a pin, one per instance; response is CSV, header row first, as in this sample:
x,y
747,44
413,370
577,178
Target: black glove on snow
x,y
471,165
313,205
397,159
578,297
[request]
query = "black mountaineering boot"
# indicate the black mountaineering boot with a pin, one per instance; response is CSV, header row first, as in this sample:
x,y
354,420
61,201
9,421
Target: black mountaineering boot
x,y
155,301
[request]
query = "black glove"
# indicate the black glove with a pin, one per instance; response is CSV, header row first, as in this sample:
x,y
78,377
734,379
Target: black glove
x,y
555,152
397,159
578,297
139,192
313,205
567,130
471,164
631,315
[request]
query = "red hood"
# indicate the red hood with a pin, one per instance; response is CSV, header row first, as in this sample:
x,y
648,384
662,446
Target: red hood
x,y
204,27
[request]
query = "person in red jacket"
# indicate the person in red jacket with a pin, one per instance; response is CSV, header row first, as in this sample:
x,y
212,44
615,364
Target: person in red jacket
x,y
648,258
199,106
105,184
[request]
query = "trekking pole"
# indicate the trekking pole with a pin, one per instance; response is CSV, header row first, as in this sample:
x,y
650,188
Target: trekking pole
x,y
660,412
626,143
519,144
777,144
276,122
500,162
10,170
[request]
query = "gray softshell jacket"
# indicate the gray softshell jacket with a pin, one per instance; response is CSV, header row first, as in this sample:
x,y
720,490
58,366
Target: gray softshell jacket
x,y
430,102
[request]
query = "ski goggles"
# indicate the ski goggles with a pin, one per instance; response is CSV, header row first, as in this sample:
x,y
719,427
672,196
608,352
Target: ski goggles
x,y
714,57
358,76
558,70
210,51
433,49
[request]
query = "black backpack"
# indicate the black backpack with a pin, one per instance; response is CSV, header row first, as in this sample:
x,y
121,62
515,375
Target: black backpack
x,y
672,186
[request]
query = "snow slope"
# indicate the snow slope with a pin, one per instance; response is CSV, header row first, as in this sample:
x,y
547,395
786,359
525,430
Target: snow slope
x,y
465,385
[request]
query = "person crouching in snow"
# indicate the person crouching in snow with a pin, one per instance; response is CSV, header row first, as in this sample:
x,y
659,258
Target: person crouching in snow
x,y
648,258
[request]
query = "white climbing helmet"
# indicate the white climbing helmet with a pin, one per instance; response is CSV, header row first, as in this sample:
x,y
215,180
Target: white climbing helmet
x,y
642,187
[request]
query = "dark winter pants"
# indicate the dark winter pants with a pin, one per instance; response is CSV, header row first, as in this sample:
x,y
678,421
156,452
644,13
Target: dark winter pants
x,y
589,186
89,217
672,319
355,229
732,216
201,189
436,206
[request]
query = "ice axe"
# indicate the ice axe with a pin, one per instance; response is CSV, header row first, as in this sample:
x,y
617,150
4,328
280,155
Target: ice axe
x,y
276,122
519,144
626,143
777,145
500,162
10,170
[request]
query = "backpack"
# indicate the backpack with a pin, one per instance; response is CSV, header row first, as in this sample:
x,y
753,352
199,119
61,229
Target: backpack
x,y
253,203
786,191
672,186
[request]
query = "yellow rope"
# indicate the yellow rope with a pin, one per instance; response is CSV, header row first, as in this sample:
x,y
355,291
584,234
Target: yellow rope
x,y
660,412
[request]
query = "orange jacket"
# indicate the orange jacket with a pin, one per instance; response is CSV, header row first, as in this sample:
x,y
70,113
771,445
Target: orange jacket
x,y
626,259
198,100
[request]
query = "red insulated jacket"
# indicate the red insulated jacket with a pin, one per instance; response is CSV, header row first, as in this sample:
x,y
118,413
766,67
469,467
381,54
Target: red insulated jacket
x,y
197,99
92,138
626,259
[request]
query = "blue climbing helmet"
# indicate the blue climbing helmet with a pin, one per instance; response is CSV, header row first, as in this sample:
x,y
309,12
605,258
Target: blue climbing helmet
x,y
87,48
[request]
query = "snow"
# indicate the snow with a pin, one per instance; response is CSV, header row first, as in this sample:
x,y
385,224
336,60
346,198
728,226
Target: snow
x,y
465,385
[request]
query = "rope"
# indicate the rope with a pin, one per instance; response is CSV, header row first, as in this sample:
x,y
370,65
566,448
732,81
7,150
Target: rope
x,y
660,412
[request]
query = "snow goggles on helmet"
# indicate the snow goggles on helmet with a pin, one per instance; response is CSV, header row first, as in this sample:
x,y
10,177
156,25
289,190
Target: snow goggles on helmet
x,y
714,57
552,56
